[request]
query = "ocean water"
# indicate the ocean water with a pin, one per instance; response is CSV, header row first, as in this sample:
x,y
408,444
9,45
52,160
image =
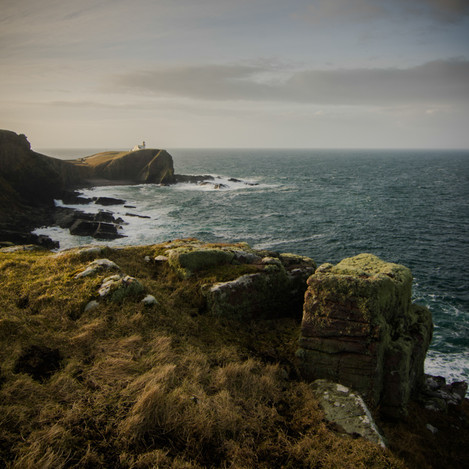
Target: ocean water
x,y
409,207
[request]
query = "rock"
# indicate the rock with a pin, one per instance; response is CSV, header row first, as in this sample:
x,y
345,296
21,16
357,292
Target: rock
x,y
347,409
98,265
66,217
181,178
186,261
24,238
246,257
149,300
108,201
91,305
38,361
135,215
85,252
118,287
95,229
107,231
436,395
431,428
74,198
360,329
272,292
161,259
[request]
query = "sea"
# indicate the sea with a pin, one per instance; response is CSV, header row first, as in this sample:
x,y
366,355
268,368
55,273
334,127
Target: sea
x,y
406,206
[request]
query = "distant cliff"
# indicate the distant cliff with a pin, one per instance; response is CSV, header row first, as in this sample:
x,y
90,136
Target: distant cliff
x,y
29,181
131,167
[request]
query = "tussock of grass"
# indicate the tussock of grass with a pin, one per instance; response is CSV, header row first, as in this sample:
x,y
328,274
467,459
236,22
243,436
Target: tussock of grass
x,y
160,386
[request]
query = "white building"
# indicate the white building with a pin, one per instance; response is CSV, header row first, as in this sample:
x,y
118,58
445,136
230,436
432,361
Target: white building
x,y
139,147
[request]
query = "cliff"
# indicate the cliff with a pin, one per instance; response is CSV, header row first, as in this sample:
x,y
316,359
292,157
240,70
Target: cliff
x,y
133,167
160,356
29,181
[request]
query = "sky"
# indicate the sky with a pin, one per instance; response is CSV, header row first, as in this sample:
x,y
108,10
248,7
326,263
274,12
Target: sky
x,y
236,73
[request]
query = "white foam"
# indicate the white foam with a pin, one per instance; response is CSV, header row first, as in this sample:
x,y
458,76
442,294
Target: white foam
x,y
452,366
221,183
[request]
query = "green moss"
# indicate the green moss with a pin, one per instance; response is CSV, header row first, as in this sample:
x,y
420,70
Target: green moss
x,y
187,261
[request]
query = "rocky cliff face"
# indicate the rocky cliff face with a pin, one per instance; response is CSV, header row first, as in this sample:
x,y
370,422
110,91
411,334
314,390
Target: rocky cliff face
x,y
30,181
360,329
134,167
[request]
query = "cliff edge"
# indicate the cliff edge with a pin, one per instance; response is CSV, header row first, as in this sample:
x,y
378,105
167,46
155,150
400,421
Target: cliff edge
x,y
30,181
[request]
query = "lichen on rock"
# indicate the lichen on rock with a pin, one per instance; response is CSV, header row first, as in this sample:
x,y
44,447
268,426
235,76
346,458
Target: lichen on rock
x,y
186,260
360,328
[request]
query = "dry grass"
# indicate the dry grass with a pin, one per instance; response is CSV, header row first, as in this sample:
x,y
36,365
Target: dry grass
x,y
165,386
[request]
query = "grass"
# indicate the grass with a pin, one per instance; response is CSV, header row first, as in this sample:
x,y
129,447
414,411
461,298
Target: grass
x,y
161,386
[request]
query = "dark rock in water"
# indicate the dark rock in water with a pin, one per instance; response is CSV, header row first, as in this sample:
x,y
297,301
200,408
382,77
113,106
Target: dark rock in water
x,y
192,179
96,229
107,217
361,329
135,215
215,185
38,361
130,206
19,237
244,182
65,217
107,231
74,198
108,201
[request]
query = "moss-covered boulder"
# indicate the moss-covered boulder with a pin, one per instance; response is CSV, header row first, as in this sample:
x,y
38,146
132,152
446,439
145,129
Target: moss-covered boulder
x,y
361,329
187,260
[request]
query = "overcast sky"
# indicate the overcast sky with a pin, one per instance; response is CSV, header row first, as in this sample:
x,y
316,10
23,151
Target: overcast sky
x,y
236,73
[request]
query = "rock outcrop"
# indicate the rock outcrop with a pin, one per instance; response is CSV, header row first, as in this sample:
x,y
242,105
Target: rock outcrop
x,y
272,284
361,329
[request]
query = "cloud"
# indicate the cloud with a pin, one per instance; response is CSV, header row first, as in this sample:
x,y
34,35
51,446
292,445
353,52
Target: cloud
x,y
439,82
325,11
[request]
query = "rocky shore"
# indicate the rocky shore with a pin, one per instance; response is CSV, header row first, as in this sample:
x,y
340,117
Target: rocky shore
x,y
30,182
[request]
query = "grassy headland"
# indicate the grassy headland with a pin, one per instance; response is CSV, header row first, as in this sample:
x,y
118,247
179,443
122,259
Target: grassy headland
x,y
166,385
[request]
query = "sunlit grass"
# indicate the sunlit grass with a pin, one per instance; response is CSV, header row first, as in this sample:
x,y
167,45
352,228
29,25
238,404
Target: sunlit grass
x,y
159,386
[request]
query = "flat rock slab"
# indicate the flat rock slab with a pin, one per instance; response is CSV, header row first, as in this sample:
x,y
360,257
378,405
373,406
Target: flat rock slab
x,y
346,408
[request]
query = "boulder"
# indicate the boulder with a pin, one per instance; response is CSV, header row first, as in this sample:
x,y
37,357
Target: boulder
x,y
186,261
97,266
95,229
108,201
360,329
347,409
149,300
118,287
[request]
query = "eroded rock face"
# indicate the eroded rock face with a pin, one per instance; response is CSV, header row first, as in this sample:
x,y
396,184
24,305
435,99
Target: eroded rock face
x,y
360,329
